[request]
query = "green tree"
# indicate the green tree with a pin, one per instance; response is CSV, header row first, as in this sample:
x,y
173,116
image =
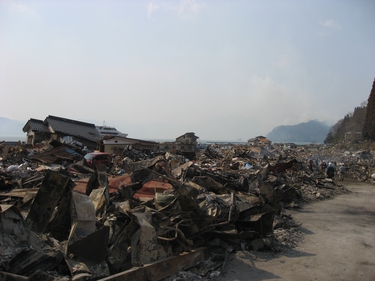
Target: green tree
x,y
369,124
352,122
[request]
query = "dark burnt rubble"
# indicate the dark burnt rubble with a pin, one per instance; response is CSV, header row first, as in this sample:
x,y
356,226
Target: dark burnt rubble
x,y
62,220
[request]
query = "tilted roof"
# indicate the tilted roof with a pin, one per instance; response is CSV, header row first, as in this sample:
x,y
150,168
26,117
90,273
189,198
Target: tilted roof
x,y
189,135
35,125
73,128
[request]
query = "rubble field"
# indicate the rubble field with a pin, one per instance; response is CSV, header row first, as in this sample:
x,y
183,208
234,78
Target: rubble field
x,y
168,217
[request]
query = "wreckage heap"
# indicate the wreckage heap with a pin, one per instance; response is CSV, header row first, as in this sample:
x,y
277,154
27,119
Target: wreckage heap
x,y
143,219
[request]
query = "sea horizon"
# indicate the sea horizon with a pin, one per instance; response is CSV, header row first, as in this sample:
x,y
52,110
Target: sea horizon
x,y
12,138
23,139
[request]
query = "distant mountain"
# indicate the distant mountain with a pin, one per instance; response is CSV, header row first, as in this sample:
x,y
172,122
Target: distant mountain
x,y
311,131
11,128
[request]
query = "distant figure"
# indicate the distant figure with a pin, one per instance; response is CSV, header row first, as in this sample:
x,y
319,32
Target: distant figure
x,y
330,171
311,165
323,166
342,171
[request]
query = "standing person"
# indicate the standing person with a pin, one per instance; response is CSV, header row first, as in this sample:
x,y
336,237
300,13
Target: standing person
x,y
330,171
342,171
311,165
323,166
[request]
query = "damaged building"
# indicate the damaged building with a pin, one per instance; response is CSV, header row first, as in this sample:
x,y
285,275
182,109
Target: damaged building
x,y
184,144
56,128
118,145
259,141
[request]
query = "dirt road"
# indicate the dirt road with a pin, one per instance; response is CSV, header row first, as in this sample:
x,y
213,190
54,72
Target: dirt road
x,y
339,243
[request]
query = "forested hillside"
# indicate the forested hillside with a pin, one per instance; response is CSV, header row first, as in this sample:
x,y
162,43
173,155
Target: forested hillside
x,y
369,123
362,120
312,131
351,122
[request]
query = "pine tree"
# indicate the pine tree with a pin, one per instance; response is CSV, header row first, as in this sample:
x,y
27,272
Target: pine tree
x,y
369,124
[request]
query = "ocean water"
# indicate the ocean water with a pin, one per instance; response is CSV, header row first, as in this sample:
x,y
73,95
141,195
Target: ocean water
x,y
12,138
306,143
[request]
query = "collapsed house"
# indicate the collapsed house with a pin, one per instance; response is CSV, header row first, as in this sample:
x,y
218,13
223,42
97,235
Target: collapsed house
x,y
56,128
259,141
119,145
185,142
63,220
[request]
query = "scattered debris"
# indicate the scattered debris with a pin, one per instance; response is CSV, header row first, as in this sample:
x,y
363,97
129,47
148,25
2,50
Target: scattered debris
x,y
151,217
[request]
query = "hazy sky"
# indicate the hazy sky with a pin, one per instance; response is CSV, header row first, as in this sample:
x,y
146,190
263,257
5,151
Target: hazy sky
x,y
157,69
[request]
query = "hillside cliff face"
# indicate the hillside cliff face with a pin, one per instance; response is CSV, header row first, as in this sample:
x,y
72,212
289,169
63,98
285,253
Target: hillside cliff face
x,y
311,131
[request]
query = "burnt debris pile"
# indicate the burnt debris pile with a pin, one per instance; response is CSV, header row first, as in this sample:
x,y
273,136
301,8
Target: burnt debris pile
x,y
143,217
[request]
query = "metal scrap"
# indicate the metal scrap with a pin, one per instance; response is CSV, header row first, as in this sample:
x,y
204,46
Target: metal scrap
x,y
148,217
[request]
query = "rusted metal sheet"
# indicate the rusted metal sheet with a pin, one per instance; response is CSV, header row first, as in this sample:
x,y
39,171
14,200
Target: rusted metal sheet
x,y
81,185
160,269
150,188
115,182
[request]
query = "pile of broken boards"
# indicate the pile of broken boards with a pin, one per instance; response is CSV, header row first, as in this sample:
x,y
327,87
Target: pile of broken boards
x,y
161,216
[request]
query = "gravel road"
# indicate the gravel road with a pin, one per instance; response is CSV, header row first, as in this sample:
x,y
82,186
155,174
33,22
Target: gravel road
x,y
338,243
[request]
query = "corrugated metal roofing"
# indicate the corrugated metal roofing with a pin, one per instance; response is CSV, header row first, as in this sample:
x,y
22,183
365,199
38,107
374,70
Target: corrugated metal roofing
x,y
73,127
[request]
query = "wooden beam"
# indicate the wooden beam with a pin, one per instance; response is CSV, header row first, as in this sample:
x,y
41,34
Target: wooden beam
x,y
160,269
